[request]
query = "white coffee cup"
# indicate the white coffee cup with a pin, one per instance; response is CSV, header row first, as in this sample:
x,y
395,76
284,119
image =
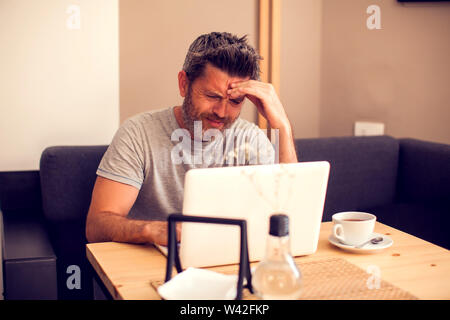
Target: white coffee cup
x,y
353,227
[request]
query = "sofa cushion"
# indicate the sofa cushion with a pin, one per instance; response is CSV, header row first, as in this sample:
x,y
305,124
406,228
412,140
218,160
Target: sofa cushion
x,y
363,170
28,258
29,262
25,238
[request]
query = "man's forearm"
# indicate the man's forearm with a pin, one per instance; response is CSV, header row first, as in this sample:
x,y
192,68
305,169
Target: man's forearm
x,y
108,226
287,152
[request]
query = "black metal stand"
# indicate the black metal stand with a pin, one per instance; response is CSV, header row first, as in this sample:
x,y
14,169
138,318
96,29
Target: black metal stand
x,y
173,255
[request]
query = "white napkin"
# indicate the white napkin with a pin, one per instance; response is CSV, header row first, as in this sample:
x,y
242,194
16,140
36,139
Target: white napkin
x,y
199,284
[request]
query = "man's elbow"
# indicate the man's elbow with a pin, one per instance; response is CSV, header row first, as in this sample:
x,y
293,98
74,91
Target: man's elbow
x,y
88,234
90,230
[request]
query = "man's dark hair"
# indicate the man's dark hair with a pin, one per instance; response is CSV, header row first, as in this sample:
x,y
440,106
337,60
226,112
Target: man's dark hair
x,y
225,51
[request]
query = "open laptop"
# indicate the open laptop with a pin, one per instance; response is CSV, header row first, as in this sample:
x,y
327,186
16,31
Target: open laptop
x,y
253,193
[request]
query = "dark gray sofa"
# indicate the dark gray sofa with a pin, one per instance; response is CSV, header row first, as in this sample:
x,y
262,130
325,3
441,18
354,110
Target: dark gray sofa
x,y
405,182
29,261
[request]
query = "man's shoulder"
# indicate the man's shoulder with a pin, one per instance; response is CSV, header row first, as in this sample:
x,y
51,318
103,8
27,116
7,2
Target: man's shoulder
x,y
151,121
148,116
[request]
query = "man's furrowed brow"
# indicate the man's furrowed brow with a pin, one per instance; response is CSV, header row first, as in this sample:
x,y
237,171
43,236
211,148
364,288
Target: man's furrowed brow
x,y
213,93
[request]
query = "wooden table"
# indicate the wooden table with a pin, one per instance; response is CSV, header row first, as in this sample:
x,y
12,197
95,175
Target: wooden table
x,y
412,264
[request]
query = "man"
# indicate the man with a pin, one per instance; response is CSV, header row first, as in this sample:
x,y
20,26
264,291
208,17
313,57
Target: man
x,y
140,180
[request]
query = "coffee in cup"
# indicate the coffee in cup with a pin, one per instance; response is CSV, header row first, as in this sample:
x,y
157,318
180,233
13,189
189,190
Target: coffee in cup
x,y
353,227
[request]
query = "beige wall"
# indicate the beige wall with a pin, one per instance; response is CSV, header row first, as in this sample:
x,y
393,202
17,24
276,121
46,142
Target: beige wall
x,y
399,75
61,86
300,64
154,39
58,86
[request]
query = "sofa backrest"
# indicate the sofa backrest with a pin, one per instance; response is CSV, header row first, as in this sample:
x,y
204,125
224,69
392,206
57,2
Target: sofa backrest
x,y
68,174
424,171
67,178
363,171
20,193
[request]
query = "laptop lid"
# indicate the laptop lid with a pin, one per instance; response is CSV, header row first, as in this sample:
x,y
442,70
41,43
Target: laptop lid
x,y
252,193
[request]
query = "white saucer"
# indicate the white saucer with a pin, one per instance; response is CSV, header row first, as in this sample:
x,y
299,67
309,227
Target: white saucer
x,y
370,247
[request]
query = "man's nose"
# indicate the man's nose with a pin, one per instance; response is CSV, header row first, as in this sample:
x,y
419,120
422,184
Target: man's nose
x,y
220,108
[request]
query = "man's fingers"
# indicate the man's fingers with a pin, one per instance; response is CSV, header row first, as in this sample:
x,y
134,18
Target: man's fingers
x,y
240,91
252,84
247,83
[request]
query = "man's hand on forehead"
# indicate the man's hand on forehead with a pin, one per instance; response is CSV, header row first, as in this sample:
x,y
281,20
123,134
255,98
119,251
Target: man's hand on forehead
x,y
236,99
264,97
234,95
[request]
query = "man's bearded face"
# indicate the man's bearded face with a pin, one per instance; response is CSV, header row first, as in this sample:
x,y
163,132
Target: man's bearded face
x,y
193,113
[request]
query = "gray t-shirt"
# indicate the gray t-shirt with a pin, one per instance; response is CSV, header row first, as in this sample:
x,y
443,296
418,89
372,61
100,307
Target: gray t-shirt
x,y
152,153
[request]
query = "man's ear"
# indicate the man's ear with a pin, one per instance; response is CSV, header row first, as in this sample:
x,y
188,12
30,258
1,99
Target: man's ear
x,y
183,83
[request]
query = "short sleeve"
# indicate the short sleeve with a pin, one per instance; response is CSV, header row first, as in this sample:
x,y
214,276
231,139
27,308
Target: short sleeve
x,y
124,159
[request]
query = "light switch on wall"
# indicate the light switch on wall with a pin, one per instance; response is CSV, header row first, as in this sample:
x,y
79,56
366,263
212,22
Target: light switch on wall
x,y
363,128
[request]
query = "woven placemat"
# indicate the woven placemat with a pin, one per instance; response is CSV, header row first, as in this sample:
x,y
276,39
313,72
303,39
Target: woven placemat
x,y
338,279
